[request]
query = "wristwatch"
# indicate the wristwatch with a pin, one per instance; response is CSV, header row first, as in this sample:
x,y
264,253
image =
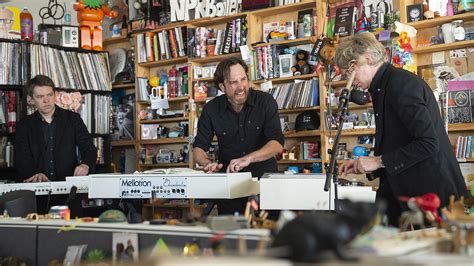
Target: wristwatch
x,y
382,165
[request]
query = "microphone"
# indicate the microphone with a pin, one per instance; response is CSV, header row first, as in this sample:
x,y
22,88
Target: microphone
x,y
345,94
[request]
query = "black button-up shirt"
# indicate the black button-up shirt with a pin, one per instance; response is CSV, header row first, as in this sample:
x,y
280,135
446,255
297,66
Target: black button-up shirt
x,y
241,133
48,130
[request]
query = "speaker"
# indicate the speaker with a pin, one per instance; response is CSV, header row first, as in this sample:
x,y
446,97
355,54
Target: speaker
x,y
18,203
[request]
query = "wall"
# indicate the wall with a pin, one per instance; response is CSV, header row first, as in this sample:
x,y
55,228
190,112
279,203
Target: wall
x,y
34,7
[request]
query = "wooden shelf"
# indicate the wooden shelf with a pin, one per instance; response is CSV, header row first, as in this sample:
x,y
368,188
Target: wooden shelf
x,y
163,141
204,79
302,134
203,22
113,40
160,165
84,91
165,120
173,61
443,47
299,161
465,160
6,87
174,99
357,132
298,110
285,79
353,106
123,86
122,143
428,23
265,12
460,127
167,26
215,58
294,42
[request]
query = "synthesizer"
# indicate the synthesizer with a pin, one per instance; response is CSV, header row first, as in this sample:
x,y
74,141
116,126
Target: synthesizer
x,y
306,192
173,186
46,188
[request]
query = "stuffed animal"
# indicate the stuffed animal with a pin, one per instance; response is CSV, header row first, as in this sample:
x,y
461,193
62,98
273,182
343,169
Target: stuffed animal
x,y
89,15
306,236
302,67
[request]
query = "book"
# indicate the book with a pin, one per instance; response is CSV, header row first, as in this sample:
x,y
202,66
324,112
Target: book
x,y
344,21
459,106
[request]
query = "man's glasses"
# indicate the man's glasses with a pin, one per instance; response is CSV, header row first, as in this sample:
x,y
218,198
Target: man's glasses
x,y
351,67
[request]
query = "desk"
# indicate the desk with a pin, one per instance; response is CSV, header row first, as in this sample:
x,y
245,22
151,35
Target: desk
x,y
38,242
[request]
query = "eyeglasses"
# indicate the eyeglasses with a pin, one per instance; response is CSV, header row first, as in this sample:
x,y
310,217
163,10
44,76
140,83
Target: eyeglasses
x,y
351,67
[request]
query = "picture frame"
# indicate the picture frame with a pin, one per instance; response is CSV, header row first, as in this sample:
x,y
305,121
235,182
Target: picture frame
x,y
414,12
285,62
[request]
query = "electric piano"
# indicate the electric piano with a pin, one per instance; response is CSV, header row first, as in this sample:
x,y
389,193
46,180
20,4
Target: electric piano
x,y
173,186
46,188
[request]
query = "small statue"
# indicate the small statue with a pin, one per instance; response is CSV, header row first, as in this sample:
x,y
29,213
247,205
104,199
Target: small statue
x,y
302,67
89,15
6,22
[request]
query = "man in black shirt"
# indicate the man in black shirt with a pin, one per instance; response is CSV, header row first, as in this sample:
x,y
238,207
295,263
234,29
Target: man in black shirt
x,y
47,141
247,126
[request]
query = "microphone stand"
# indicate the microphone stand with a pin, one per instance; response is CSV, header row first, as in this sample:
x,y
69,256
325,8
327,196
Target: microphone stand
x,y
332,169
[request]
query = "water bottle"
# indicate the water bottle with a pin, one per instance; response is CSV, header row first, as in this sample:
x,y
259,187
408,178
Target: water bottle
x,y
67,15
26,25
9,154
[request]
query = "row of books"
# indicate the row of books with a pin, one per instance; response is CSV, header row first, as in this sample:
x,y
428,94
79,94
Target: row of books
x,y
209,42
294,95
10,69
70,69
266,62
464,147
166,44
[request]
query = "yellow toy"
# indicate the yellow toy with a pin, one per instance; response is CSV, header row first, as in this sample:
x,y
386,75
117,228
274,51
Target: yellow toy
x,y
89,15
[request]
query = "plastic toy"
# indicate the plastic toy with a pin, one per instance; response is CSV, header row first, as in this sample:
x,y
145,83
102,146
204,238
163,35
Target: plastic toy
x,y
89,15
6,22
302,67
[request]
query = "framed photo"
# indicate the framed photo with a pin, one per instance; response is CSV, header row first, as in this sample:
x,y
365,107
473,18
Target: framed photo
x,y
414,12
285,61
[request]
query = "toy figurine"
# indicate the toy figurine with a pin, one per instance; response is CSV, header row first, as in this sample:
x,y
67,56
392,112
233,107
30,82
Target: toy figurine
x,y
89,15
302,67
6,22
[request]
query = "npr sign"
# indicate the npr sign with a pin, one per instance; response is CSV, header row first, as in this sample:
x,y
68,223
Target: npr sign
x,y
184,10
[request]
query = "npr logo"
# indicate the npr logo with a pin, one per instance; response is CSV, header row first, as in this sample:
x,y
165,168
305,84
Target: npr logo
x,y
184,10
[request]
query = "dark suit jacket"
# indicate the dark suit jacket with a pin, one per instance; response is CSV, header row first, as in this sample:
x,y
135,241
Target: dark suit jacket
x,y
411,138
70,132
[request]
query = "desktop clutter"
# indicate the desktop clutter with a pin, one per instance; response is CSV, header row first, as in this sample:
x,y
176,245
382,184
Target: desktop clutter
x,y
354,228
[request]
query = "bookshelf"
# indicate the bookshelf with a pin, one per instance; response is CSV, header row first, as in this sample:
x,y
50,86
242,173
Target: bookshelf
x,y
72,70
121,144
423,56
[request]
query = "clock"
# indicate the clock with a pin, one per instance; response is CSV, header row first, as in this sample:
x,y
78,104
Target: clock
x,y
414,12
